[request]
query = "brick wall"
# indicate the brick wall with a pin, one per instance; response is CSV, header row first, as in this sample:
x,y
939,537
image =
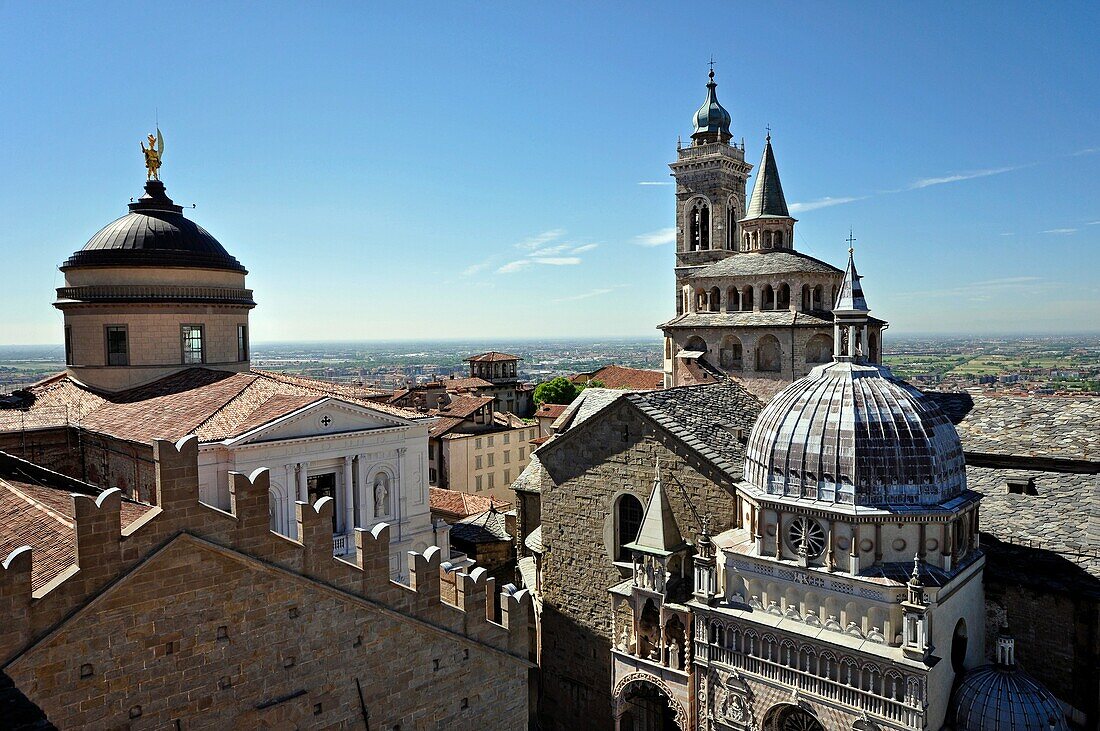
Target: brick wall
x,y
606,456
205,616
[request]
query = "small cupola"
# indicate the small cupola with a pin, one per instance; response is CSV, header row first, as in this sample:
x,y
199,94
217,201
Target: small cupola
x,y
712,121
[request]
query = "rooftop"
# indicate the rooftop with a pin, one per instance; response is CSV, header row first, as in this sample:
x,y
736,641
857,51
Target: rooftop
x,y
491,357
457,505
214,405
777,261
617,376
488,527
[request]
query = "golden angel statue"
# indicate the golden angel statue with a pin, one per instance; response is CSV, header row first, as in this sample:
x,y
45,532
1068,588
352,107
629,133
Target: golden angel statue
x,y
153,155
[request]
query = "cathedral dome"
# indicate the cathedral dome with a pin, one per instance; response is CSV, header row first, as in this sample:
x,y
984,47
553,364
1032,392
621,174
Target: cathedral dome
x,y
850,433
712,121
155,233
1004,698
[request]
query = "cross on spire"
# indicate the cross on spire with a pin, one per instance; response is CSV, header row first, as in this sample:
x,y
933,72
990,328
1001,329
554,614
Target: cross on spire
x,y
768,127
711,64
851,240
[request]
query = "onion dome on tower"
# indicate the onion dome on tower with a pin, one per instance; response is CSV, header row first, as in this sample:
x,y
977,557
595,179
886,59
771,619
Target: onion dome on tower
x,y
712,121
850,433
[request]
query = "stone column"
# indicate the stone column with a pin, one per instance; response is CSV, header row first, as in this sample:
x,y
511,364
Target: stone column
x,y
397,509
303,484
364,520
349,497
285,520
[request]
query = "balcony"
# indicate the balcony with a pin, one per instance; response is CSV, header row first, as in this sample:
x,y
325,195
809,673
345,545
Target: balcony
x,y
342,545
908,713
154,293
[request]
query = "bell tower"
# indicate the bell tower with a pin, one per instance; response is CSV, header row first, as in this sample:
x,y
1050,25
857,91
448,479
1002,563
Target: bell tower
x,y
710,178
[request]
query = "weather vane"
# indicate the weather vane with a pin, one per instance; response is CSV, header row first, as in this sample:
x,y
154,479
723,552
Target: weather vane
x,y
154,153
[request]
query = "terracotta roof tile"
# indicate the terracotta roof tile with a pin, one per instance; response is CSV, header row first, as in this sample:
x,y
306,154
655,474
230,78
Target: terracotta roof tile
x,y
457,505
491,357
551,411
443,425
465,384
464,406
616,376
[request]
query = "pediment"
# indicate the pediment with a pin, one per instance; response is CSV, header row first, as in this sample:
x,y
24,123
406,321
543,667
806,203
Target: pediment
x,y
324,417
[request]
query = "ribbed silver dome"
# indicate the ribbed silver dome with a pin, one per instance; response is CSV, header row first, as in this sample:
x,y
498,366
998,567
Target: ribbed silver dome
x,y
850,433
1004,698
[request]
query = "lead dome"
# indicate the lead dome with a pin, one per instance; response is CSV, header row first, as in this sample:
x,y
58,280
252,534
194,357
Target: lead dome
x,y
850,433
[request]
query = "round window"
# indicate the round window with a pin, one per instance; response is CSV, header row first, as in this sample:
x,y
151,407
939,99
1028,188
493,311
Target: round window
x,y
805,534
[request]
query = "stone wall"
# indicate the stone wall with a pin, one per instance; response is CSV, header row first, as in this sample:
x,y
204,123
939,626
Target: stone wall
x,y
589,468
202,615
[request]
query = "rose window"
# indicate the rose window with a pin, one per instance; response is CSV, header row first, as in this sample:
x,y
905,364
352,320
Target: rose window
x,y
806,534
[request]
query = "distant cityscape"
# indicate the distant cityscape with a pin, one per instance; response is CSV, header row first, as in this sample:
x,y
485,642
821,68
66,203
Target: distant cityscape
x,y
1061,365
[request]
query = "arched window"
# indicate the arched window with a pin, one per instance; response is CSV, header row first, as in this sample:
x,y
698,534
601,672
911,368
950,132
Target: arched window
x,y
701,300
733,300
959,642
779,239
783,297
818,294
715,299
729,355
807,297
873,348
746,299
628,520
767,298
731,228
769,356
696,344
699,226
769,239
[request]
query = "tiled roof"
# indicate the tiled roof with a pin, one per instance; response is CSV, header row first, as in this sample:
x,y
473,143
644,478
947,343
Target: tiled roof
x,y
767,194
275,407
764,318
211,404
1026,426
40,515
616,376
457,505
464,406
533,541
465,384
550,411
491,357
1058,526
588,402
488,527
777,261
706,418
444,424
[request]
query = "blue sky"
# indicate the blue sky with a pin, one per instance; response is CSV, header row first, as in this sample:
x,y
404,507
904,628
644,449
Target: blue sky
x,y
448,170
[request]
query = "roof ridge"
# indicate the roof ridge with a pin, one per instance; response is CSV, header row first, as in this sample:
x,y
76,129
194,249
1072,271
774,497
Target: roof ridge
x,y
39,505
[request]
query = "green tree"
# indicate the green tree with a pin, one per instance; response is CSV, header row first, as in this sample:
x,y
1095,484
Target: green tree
x,y
558,391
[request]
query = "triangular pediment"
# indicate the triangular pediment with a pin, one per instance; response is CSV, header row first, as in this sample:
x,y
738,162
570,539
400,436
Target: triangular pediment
x,y
324,416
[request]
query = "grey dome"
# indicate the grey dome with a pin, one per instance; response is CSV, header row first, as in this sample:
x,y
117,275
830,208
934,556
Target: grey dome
x,y
154,233
850,433
1004,698
712,119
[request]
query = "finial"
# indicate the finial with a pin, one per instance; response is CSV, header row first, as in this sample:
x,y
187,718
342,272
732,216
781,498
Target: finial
x,y
153,155
711,64
915,578
768,127
851,240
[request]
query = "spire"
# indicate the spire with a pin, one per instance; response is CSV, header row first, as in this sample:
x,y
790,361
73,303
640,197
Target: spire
x,y
849,299
659,533
712,121
767,194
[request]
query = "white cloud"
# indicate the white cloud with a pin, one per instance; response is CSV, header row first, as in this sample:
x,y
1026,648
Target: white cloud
x,y
475,268
1005,281
1087,151
823,203
1093,223
655,182
584,248
656,238
537,242
927,182
1008,233
1059,231
551,250
515,266
558,261
586,295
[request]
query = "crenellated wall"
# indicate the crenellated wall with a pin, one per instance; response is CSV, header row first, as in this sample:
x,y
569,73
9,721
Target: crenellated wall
x,y
206,615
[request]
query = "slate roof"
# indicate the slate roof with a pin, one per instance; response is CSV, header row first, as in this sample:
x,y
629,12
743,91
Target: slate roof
x,y
36,510
1058,527
456,505
764,318
587,402
488,527
533,541
767,194
752,263
1027,426
491,357
214,405
617,376
530,479
705,417
850,297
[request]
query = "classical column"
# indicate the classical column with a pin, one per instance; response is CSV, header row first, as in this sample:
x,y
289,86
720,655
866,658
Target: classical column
x,y
349,497
398,491
364,497
285,521
303,484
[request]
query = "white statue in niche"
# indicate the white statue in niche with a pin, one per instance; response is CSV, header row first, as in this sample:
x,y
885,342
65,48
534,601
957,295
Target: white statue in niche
x,y
381,494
